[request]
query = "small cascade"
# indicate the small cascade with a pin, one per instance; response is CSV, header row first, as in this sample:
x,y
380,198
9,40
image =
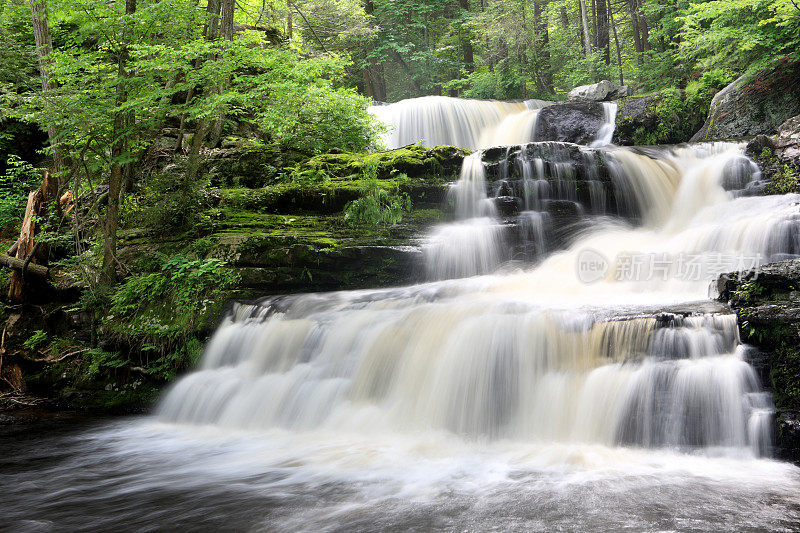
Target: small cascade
x,y
472,245
464,248
606,132
469,193
437,120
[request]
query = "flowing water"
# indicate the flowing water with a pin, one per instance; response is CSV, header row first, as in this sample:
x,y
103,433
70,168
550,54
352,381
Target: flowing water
x,y
564,369
471,124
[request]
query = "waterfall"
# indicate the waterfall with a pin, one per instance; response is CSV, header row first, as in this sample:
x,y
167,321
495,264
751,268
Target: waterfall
x,y
606,132
537,354
471,124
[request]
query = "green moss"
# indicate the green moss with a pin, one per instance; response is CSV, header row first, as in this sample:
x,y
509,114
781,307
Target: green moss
x,y
440,163
785,180
669,116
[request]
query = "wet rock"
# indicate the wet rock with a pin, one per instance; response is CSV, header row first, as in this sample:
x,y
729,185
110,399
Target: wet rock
x,y
754,104
599,92
507,206
768,310
573,122
788,435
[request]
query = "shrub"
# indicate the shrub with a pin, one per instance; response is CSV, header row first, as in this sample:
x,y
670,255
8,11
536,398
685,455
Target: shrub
x,y
377,206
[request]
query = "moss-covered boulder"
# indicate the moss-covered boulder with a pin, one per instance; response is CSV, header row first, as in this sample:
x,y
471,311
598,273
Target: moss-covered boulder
x,y
756,103
440,163
667,117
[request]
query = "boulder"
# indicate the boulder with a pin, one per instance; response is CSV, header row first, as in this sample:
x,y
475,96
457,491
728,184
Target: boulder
x,y
754,104
599,92
574,122
666,117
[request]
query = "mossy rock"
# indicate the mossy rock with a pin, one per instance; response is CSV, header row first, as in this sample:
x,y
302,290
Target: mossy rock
x,y
439,164
249,164
756,103
330,197
667,117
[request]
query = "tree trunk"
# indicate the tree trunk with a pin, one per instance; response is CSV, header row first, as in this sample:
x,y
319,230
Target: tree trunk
x,y
226,33
466,42
585,24
44,45
637,39
109,274
48,191
602,30
374,81
644,30
27,250
289,22
210,33
616,42
542,46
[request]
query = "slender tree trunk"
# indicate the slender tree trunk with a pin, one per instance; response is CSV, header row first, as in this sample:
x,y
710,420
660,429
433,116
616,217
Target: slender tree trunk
x,y
466,42
585,24
616,42
289,21
44,45
210,32
637,39
26,249
374,78
602,30
643,28
109,274
226,33
542,46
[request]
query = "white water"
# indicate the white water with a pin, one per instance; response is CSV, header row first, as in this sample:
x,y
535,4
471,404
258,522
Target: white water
x,y
607,130
533,356
471,124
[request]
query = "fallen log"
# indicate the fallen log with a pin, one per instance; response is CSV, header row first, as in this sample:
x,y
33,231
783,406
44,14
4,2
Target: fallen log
x,y
26,266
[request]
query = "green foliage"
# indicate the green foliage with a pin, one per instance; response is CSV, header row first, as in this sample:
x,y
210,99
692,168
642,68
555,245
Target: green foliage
x,y
739,34
785,180
748,291
170,202
185,294
14,185
377,206
97,360
36,339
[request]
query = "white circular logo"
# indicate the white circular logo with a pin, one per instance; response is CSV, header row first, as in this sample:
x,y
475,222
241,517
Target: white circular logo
x,y
591,266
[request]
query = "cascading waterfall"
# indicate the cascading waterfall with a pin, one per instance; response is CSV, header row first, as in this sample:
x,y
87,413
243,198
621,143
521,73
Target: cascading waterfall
x,y
536,355
471,124
606,132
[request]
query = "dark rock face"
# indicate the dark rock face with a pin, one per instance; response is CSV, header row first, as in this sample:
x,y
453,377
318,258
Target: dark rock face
x,y
574,122
754,104
768,309
778,157
599,92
